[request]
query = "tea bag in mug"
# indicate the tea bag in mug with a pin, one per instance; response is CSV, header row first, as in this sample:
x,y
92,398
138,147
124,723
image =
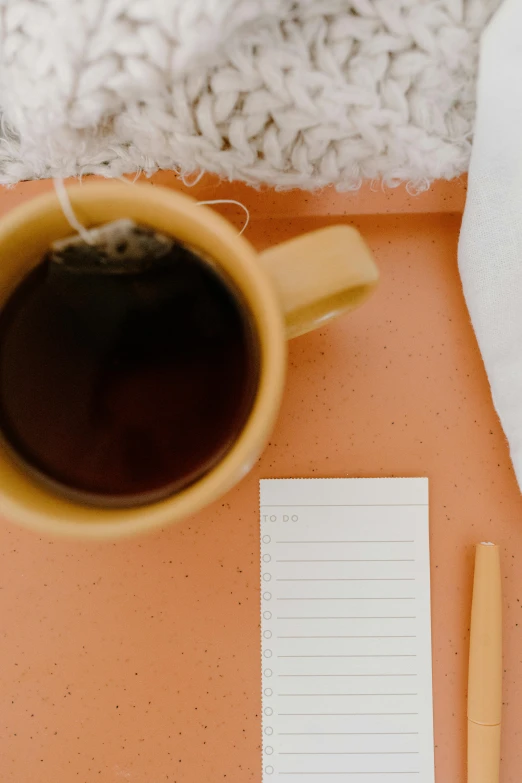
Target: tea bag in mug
x,y
121,247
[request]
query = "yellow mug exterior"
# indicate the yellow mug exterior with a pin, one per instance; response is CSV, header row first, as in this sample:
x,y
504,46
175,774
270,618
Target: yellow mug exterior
x,y
340,277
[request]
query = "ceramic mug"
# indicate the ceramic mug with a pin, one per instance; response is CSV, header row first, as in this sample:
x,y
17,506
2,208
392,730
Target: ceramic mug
x,y
289,289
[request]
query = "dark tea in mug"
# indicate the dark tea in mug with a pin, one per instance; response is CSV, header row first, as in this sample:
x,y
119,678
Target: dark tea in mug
x,y
122,388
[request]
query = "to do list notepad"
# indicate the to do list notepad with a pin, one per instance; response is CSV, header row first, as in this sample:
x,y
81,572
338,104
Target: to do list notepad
x,y
346,637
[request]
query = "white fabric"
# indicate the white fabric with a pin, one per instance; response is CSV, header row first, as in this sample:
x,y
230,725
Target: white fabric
x,y
490,248
294,93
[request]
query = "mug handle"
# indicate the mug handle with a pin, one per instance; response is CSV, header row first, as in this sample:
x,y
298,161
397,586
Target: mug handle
x,y
320,275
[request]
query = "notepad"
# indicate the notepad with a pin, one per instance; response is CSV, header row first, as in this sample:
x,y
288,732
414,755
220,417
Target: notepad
x,y
346,636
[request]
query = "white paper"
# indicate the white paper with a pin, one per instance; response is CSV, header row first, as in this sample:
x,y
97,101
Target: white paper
x,y
346,633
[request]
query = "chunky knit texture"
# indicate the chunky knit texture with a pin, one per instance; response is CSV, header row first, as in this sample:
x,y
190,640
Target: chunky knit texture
x,y
294,93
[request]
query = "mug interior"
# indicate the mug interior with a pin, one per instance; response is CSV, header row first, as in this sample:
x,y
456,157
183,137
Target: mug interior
x,y
25,236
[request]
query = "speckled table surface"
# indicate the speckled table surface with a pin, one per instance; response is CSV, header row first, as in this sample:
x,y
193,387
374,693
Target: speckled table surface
x,y
139,661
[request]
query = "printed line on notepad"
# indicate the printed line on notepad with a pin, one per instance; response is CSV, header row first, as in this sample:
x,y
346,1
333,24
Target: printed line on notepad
x,y
412,636
347,733
349,598
344,714
394,541
357,560
343,505
348,675
384,655
336,694
379,772
349,579
350,753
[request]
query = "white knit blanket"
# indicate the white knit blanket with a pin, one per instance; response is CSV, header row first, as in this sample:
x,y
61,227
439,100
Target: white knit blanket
x,y
288,92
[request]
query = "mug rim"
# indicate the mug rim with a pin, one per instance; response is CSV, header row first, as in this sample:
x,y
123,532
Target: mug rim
x,y
25,235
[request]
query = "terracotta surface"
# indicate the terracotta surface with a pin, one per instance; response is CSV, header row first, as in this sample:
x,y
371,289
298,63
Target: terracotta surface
x,y
139,661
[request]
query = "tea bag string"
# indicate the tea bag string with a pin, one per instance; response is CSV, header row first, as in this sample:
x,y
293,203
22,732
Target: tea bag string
x,y
206,203
68,211
229,201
